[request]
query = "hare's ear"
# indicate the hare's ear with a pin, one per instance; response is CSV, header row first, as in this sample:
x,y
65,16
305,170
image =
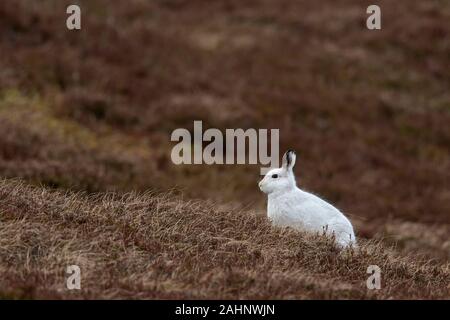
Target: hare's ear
x,y
288,161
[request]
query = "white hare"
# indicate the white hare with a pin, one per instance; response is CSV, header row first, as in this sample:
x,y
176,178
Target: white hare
x,y
288,206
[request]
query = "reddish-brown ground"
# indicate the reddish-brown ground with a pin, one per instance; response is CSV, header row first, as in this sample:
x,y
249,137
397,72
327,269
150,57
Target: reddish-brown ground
x,y
91,111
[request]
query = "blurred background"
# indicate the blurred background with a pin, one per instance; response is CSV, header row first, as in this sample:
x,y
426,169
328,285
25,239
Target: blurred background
x,y
368,112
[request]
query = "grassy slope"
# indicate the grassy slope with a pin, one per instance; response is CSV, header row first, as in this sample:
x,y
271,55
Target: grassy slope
x,y
368,113
159,246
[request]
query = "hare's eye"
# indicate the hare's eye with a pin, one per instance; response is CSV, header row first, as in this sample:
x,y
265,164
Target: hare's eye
x,y
274,176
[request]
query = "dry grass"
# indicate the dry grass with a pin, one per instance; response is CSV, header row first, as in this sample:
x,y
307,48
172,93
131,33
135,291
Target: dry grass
x,y
160,246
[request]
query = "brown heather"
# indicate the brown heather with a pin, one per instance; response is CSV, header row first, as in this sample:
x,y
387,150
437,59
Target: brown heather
x,y
85,122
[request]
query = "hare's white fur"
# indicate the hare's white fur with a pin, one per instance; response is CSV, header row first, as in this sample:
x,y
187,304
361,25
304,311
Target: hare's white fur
x,y
288,206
